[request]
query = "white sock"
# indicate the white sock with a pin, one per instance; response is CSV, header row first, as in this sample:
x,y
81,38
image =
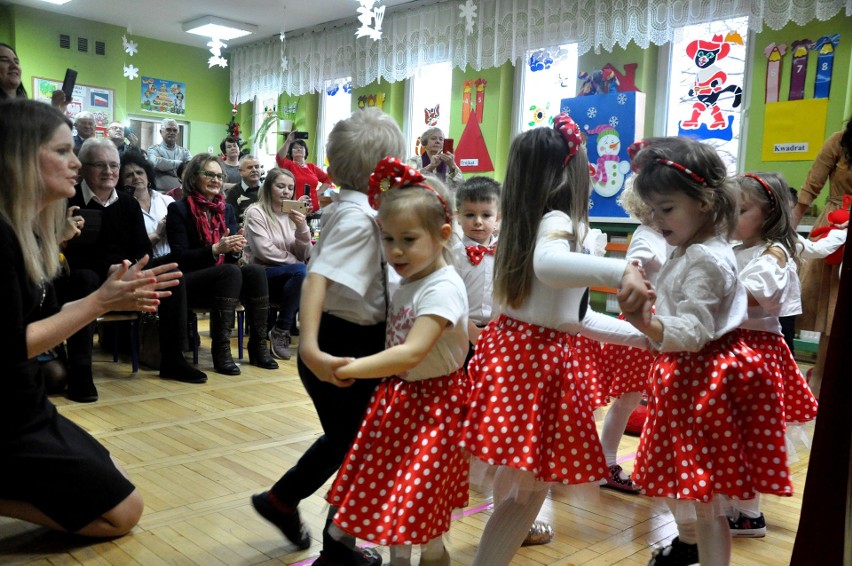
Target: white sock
x,y
748,507
714,537
400,555
432,550
616,419
508,527
685,529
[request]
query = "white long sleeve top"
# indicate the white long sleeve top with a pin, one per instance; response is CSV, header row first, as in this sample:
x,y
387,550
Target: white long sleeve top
x,y
776,289
561,278
649,247
699,297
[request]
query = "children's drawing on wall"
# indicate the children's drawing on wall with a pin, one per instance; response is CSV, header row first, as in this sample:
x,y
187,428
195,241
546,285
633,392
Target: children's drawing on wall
x,y
160,95
610,169
371,101
473,98
432,115
611,122
707,75
548,78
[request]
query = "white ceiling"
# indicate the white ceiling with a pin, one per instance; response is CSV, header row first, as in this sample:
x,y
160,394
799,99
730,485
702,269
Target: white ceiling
x,y
162,19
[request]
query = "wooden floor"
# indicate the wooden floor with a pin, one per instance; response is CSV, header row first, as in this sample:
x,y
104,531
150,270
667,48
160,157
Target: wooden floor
x,y
197,453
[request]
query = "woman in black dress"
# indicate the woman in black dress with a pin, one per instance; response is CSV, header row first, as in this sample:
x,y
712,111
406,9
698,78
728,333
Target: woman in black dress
x,y
52,472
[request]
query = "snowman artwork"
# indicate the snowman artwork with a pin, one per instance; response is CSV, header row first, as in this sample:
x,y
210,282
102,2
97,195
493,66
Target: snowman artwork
x,y
608,172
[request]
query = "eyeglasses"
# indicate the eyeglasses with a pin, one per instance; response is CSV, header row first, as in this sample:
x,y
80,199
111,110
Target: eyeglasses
x,y
104,166
212,175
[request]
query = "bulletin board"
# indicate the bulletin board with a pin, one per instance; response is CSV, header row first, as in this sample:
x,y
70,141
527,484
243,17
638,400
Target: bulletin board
x,y
98,100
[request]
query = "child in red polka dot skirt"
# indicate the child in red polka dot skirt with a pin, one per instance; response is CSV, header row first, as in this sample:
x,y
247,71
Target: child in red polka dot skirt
x,y
626,367
715,427
767,259
530,420
405,472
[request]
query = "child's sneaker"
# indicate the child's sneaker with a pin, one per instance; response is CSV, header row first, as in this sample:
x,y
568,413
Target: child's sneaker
x,y
540,533
676,554
619,481
746,527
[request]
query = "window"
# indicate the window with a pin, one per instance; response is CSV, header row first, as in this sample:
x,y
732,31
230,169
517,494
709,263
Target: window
x,y
429,95
705,87
547,76
335,105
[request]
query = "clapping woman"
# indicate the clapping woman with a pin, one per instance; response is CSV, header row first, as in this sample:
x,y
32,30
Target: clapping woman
x,y
52,472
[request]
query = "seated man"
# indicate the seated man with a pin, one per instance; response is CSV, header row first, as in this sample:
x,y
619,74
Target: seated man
x,y
114,231
245,193
84,123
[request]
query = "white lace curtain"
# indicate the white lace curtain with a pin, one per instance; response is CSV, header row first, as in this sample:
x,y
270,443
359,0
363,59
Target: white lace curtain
x,y
503,31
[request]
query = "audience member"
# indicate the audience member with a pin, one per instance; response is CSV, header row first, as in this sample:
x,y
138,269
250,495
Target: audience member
x,y
230,148
136,176
117,134
293,156
84,123
244,194
279,240
115,230
207,243
10,79
167,156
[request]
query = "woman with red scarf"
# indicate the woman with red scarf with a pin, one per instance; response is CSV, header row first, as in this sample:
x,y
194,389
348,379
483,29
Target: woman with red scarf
x,y
207,243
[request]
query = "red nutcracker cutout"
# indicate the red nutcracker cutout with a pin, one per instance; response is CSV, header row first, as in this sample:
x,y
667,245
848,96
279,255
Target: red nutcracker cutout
x,y
709,82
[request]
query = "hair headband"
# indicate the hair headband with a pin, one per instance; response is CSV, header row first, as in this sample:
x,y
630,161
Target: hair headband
x,y
570,132
766,188
392,173
636,147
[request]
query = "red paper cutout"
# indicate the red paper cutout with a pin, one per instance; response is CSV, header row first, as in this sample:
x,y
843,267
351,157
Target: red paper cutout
x,y
472,146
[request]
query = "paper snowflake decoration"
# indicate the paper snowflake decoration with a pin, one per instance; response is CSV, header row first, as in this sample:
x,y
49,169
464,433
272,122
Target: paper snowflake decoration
x,y
130,72
592,112
467,11
217,60
613,121
130,46
371,19
622,98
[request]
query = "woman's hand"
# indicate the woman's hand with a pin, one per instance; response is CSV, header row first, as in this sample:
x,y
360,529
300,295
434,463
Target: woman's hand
x,y
307,200
134,288
74,223
229,244
58,100
298,218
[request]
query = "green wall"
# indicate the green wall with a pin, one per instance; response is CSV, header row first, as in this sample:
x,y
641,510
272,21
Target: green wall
x,y
35,35
840,97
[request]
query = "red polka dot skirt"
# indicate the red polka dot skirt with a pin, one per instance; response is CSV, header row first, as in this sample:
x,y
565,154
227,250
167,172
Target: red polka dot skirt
x,y
715,426
627,369
405,472
528,409
800,405
587,352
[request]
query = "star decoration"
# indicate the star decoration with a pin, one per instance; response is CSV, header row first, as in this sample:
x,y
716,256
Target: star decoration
x,y
468,12
216,60
130,46
130,72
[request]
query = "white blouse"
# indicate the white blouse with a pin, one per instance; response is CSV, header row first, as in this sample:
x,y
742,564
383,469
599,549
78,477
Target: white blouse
x,y
159,208
776,289
699,297
649,247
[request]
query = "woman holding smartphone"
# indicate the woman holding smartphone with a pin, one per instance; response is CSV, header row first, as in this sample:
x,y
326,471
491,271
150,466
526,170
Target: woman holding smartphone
x,y
279,239
437,160
293,156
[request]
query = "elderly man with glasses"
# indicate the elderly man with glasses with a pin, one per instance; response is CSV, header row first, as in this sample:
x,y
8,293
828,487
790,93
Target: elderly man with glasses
x,y
84,123
114,230
167,156
245,192
123,138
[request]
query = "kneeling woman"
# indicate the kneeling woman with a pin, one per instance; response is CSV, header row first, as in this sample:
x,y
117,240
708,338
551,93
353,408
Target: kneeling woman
x,y
207,244
280,242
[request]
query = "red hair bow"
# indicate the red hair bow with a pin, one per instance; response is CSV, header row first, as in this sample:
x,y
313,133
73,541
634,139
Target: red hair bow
x,y
389,173
570,132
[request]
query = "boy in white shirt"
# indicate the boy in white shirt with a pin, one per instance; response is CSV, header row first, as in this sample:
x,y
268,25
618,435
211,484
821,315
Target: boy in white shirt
x,y
478,214
342,314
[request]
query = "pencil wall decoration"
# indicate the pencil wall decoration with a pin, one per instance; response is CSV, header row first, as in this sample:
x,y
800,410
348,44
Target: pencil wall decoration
x,y
799,50
775,53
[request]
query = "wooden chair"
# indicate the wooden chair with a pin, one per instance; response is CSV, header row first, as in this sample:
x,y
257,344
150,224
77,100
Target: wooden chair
x,y
196,337
133,319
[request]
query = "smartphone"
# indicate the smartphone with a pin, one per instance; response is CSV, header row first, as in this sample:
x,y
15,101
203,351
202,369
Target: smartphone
x,y
299,205
448,145
68,83
307,189
301,135
127,132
